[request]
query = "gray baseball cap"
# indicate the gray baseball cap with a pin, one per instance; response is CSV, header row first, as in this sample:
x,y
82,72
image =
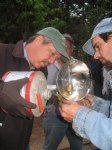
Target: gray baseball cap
x,y
103,27
69,37
57,39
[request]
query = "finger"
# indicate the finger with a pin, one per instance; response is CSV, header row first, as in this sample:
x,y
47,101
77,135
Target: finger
x,y
65,101
25,103
30,105
89,96
68,120
63,108
60,104
61,112
22,82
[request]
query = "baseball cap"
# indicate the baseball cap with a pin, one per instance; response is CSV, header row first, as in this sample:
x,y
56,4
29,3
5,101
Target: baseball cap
x,y
103,27
69,37
57,39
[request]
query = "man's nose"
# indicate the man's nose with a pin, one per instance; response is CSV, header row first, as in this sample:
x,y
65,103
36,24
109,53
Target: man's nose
x,y
96,55
52,59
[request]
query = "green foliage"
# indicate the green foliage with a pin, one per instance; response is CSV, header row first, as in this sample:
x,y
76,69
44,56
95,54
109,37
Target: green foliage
x,y
24,17
21,18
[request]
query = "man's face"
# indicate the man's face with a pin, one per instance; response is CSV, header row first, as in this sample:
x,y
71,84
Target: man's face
x,y
39,54
69,47
103,50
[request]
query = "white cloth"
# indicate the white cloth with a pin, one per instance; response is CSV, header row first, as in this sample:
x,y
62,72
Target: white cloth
x,y
53,70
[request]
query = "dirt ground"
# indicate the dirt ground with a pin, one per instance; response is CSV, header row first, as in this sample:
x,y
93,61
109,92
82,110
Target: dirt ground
x,y
37,139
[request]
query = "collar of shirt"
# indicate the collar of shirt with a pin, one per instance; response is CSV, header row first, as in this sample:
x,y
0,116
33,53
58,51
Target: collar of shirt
x,y
26,57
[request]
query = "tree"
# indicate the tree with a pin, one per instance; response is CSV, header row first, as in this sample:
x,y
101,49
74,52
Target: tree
x,y
21,18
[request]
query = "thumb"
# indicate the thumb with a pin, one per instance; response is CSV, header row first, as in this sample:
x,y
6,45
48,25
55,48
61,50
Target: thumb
x,y
27,104
30,105
22,82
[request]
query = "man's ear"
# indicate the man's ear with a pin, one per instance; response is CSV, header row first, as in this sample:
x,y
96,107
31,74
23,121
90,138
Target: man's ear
x,y
39,39
109,37
109,41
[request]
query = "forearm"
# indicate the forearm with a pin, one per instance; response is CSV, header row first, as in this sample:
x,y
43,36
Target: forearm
x,y
94,126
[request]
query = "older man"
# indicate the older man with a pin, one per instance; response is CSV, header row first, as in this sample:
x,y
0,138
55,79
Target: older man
x,y
94,120
38,51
